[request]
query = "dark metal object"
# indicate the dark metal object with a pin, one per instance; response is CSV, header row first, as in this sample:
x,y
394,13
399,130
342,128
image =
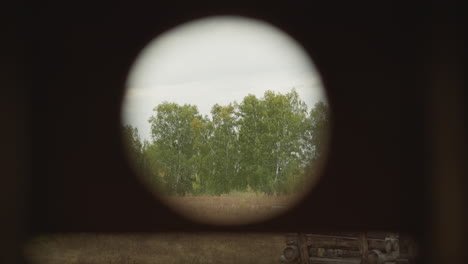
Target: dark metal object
x,y
334,248
291,253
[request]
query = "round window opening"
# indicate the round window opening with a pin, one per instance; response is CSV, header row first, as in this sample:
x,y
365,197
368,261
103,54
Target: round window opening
x,y
225,119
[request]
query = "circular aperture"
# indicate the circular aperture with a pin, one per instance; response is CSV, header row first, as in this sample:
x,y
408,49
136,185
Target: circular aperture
x,y
225,119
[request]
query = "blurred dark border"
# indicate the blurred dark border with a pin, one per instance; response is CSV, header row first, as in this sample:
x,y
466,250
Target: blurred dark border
x,y
394,75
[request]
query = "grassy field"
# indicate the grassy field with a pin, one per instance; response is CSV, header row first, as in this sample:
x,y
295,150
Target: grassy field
x,y
170,248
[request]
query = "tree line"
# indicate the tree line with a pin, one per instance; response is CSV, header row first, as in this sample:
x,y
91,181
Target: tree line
x,y
262,144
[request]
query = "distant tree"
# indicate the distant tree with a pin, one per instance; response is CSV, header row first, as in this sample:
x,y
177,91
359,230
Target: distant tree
x,y
225,149
285,116
250,140
265,144
270,136
172,135
204,154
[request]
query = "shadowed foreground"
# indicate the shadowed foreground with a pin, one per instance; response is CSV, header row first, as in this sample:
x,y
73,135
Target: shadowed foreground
x,y
164,248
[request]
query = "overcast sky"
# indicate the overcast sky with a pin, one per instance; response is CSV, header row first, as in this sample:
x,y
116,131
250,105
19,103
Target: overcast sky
x,y
216,60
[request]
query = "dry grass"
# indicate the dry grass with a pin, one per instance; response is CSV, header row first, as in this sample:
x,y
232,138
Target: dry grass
x,y
235,208
166,248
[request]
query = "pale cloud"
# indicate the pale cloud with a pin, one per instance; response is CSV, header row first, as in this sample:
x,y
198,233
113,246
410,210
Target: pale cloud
x,y
216,60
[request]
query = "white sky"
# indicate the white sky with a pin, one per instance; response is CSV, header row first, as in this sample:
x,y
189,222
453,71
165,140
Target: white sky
x,y
216,60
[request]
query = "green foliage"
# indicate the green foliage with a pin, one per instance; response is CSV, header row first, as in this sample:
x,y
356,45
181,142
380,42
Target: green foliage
x,y
174,141
260,144
271,136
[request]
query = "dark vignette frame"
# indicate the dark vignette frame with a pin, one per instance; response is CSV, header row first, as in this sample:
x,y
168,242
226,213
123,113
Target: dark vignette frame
x,y
375,65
